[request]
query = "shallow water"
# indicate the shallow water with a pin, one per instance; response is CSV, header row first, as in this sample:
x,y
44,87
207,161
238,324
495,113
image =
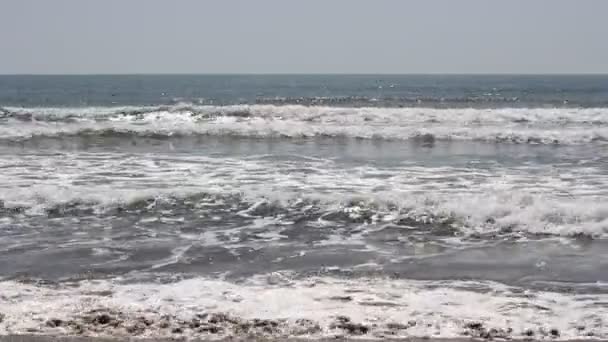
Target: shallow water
x,y
463,199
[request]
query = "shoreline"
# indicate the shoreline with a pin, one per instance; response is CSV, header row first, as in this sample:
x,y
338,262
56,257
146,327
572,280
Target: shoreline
x,y
68,338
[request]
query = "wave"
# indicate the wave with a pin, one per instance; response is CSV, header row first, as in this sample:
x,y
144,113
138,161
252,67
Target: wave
x,y
319,113
286,130
509,213
278,305
426,125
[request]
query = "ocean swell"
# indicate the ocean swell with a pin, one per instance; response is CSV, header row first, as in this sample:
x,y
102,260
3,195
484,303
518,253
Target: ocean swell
x,y
427,125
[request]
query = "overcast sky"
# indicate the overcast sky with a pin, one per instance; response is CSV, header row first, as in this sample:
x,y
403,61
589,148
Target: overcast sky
x,y
305,36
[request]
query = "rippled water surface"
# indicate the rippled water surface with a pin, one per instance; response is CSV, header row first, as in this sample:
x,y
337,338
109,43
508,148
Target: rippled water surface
x,y
304,205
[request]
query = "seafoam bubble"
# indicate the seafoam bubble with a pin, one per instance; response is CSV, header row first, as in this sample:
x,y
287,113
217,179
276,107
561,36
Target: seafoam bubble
x,y
314,307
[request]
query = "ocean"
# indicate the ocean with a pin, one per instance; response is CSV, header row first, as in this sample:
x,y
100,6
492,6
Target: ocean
x,y
304,206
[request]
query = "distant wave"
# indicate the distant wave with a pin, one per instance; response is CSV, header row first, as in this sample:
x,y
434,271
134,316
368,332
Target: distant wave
x,y
423,136
426,125
594,116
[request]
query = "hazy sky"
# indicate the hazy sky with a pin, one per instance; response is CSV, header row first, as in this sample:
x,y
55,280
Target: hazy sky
x,y
305,36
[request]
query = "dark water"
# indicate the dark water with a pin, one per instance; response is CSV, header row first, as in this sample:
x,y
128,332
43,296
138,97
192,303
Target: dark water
x,y
474,189
375,90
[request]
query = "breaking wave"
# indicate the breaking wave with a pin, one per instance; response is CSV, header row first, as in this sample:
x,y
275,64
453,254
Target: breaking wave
x,y
465,215
427,125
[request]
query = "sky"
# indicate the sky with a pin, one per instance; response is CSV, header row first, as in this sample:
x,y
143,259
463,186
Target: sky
x,y
305,36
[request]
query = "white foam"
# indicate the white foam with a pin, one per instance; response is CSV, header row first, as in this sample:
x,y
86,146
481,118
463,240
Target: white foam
x,y
57,113
369,115
528,125
439,309
528,199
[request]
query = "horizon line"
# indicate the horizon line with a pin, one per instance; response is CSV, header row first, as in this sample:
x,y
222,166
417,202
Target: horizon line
x,y
312,74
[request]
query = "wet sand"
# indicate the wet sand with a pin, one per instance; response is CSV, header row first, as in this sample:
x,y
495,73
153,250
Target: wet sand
x,y
37,338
